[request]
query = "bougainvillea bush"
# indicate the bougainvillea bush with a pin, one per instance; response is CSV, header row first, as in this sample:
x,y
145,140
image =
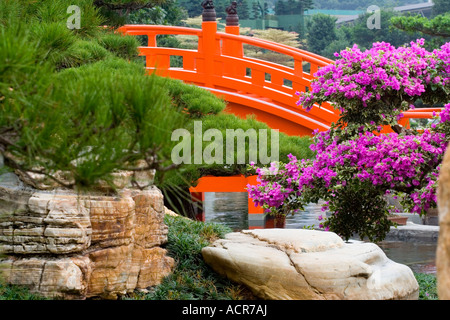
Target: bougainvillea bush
x,y
376,85
356,166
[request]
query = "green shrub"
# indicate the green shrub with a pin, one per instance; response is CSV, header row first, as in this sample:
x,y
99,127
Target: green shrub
x,y
196,102
80,53
54,39
20,62
123,46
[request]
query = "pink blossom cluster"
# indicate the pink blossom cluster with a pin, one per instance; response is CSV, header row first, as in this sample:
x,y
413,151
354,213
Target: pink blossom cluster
x,y
364,77
389,162
274,187
444,115
444,57
400,163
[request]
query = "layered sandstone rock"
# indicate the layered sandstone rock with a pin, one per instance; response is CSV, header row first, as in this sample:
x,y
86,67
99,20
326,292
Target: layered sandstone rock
x,y
443,248
60,243
298,264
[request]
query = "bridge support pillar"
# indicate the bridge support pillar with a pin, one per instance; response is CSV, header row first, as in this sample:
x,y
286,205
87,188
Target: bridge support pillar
x,y
197,199
257,219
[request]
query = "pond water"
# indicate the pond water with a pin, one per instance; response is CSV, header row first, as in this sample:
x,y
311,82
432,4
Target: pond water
x,y
231,209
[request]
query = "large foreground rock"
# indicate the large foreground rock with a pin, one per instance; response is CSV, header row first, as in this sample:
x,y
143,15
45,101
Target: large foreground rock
x,y
75,246
298,264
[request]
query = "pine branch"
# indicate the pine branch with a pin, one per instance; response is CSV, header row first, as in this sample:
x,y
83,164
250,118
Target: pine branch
x,y
10,162
130,6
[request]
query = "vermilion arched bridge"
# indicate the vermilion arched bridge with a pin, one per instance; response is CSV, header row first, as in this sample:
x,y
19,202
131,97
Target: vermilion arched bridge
x,y
250,86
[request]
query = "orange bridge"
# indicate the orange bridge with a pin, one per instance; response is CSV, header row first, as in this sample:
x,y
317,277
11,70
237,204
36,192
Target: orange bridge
x,y
249,86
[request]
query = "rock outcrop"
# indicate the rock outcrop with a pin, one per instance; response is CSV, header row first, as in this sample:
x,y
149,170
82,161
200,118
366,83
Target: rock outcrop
x,y
299,264
443,248
75,246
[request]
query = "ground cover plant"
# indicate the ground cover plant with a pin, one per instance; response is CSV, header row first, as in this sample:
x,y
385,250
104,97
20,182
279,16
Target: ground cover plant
x,y
192,278
367,155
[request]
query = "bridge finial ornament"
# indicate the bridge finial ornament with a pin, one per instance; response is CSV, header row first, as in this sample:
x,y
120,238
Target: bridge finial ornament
x,y
232,16
209,13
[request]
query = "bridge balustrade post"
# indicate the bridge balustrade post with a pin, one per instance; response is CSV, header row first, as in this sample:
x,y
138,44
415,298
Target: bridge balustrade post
x,y
231,47
150,59
298,72
208,47
151,42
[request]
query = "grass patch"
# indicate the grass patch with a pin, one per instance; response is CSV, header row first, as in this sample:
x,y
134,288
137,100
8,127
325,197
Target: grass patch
x,y
192,278
12,292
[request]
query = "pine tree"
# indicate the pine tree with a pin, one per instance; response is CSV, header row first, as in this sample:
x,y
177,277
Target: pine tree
x,y
283,7
280,8
243,9
256,11
440,7
75,110
117,11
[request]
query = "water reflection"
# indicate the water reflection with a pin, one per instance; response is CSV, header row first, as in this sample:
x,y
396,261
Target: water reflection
x,y
231,209
420,257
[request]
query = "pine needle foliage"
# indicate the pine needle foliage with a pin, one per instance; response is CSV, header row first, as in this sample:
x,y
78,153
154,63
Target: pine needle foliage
x,y
70,105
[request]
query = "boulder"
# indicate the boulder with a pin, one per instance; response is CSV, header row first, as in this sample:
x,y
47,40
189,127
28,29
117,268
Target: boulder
x,y
443,248
63,244
300,264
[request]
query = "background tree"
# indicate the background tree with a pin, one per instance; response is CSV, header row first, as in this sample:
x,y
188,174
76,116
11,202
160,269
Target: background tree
x,y
193,8
365,37
438,28
279,36
244,11
362,4
283,7
256,10
166,13
321,32
116,12
343,36
280,8
440,7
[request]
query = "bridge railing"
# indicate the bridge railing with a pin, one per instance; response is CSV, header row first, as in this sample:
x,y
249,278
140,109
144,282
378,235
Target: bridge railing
x,y
219,62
